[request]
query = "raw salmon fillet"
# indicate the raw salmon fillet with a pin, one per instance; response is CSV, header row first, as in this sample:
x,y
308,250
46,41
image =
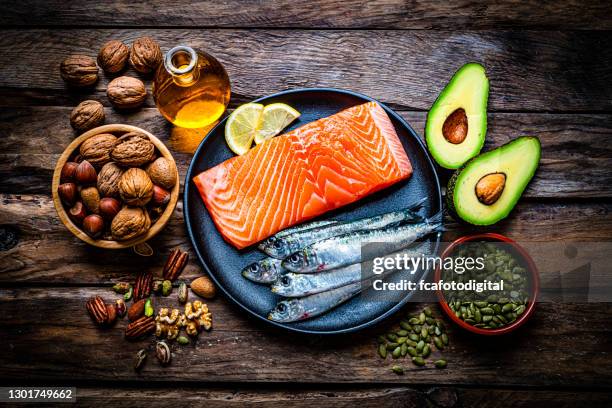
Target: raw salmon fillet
x,y
291,178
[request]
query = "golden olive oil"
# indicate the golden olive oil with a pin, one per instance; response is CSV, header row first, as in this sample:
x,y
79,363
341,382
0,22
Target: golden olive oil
x,y
191,88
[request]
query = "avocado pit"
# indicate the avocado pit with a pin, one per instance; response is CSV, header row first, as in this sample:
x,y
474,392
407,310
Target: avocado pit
x,y
490,187
455,127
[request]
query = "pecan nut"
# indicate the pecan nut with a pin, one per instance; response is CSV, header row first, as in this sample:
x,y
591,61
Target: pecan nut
x,y
175,264
97,310
143,285
140,328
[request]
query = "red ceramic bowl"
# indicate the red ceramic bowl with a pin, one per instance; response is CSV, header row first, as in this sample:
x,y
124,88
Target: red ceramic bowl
x,y
527,262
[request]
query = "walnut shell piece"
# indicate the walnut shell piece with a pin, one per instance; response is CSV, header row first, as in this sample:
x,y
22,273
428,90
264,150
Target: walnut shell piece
x,y
129,223
79,70
113,56
133,150
145,55
97,149
87,115
108,180
126,92
163,172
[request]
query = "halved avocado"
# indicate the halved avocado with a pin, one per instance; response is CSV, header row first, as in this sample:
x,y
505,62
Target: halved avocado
x,y
457,121
488,187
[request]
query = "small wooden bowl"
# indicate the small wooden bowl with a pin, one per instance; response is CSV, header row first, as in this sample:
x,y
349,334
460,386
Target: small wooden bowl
x,y
116,129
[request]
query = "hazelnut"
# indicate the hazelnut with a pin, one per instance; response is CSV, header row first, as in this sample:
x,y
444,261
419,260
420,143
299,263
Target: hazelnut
x,y
68,172
96,149
109,207
126,92
133,150
91,199
135,187
93,225
163,172
108,180
160,197
145,55
490,187
112,56
77,213
68,193
129,223
85,173
87,115
79,70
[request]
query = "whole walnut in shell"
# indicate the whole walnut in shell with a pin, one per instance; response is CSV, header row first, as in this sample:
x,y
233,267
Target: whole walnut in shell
x,y
87,115
135,187
145,55
79,70
129,223
97,149
126,92
108,180
163,172
112,56
133,150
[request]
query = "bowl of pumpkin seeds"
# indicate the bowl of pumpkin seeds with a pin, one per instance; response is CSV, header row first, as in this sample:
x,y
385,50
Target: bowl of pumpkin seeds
x,y
497,308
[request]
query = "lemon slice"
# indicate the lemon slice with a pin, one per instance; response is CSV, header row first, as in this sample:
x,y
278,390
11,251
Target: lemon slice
x,y
275,118
242,125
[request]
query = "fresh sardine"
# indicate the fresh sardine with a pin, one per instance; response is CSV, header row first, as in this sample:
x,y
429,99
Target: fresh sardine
x,y
303,227
304,284
292,310
267,270
346,249
281,247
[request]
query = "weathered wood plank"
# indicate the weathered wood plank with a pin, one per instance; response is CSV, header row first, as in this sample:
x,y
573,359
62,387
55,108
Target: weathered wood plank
x,y
421,14
576,154
528,70
51,337
47,253
308,396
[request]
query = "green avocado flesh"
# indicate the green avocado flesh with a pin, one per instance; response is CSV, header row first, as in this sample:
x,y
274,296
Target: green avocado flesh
x,y
517,160
467,90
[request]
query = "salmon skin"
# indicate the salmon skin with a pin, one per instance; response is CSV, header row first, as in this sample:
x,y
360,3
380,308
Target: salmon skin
x,y
316,168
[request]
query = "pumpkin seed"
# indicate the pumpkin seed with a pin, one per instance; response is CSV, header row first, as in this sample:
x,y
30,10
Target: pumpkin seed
x,y
422,317
391,346
444,339
412,351
427,311
392,337
405,325
401,333
382,351
401,340
397,352
404,349
414,321
426,351
438,343
418,360
397,369
420,345
413,337
381,339
440,363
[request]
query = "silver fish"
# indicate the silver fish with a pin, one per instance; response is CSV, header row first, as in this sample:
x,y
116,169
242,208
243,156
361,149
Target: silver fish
x,y
292,310
281,247
267,270
304,227
346,249
304,284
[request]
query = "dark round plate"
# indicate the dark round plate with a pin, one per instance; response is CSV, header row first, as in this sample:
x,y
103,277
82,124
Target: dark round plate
x,y
223,262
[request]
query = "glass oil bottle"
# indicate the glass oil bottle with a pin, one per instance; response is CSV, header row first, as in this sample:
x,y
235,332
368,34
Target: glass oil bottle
x,y
191,88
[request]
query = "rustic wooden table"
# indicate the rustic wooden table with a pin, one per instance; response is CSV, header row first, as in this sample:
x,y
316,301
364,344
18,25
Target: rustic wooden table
x,y
550,69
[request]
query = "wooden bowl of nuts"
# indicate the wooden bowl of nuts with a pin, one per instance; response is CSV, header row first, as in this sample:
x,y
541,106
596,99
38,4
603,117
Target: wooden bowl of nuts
x,y
115,186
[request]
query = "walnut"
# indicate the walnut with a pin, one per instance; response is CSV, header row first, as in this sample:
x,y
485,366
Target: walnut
x,y
198,317
129,223
136,187
108,180
145,55
126,92
87,115
112,56
163,172
91,199
168,324
79,70
97,149
133,150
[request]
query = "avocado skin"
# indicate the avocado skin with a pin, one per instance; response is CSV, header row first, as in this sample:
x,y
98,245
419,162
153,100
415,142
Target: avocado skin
x,y
432,133
452,182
